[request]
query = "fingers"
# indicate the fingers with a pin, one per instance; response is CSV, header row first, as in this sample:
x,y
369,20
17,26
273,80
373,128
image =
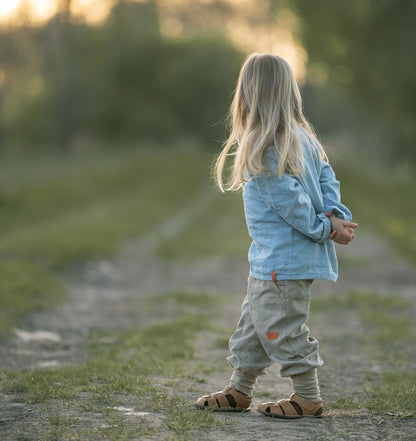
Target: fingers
x,y
346,224
343,236
342,241
342,231
349,224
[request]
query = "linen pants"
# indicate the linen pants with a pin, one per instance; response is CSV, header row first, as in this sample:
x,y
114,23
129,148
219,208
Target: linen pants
x,y
272,329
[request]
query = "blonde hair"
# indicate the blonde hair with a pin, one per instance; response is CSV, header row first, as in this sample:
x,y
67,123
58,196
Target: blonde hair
x,y
266,111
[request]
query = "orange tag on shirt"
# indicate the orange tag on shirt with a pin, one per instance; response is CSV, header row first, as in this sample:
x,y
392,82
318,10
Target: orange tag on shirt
x,y
272,335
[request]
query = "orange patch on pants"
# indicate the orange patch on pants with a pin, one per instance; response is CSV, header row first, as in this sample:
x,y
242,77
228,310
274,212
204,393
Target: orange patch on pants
x,y
272,335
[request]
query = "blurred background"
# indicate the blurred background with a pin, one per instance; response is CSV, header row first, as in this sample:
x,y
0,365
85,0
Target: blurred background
x,y
112,111
81,72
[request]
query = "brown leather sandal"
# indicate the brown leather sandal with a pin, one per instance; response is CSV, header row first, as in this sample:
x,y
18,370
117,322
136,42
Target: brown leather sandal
x,y
227,400
294,407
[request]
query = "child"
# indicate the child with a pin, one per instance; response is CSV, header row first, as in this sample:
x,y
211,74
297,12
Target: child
x,y
293,210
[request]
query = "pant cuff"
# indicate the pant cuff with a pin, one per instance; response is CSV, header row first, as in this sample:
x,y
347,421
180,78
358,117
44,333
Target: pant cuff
x,y
243,381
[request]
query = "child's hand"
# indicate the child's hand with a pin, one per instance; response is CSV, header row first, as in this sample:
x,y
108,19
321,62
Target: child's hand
x,y
342,231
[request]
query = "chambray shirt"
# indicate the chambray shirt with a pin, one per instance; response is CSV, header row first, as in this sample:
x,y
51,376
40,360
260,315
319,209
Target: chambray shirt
x,y
286,219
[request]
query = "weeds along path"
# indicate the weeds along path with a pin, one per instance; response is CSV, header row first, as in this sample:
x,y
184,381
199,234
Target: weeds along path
x,y
363,322
102,295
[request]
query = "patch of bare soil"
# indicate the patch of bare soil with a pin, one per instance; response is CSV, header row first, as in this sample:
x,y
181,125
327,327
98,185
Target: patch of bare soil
x,y
101,295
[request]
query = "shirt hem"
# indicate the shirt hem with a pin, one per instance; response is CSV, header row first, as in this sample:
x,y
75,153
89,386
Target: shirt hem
x,y
294,276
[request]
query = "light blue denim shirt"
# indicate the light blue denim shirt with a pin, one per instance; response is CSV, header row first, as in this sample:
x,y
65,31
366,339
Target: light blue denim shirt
x,y
286,219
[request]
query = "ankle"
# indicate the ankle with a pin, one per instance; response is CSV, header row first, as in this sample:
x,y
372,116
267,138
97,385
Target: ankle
x,y
243,382
242,393
309,397
306,385
247,392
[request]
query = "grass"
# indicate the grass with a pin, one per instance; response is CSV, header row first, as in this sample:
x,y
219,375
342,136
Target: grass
x,y
88,212
127,366
386,319
383,203
57,212
184,298
380,204
25,286
387,333
218,229
394,394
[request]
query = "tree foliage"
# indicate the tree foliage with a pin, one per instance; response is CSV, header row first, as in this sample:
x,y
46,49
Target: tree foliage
x,y
366,49
122,79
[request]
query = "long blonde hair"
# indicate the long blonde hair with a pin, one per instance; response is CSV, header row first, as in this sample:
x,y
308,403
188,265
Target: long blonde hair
x,y
266,111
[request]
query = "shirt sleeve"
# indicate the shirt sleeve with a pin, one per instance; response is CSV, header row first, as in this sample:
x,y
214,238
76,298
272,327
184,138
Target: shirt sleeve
x,y
330,188
287,197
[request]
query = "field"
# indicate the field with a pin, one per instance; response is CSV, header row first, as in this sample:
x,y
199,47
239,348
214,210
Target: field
x,y
121,280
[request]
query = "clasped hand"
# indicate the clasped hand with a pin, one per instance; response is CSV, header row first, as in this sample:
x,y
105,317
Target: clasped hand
x,y
342,232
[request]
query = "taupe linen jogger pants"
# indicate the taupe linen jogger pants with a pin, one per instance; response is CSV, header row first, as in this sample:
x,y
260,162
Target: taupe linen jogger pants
x,y
272,329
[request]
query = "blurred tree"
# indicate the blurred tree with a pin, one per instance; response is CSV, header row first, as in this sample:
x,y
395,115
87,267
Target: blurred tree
x,y
161,86
63,100
127,102
366,49
198,77
117,80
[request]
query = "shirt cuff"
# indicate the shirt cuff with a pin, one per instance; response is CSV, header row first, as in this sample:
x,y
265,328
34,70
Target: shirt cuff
x,y
339,213
326,228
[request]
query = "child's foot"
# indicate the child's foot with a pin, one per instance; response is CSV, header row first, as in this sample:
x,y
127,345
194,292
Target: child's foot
x,y
227,400
294,407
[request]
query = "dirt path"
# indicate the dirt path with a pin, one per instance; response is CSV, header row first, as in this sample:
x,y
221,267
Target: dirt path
x,y
101,296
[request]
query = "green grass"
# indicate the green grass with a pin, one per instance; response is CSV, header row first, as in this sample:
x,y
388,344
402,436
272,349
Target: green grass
x,y
25,286
122,365
386,318
219,229
86,212
57,212
391,393
387,334
382,203
394,393
184,298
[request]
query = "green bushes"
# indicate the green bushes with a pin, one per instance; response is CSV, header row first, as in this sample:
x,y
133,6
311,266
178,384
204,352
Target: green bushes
x,y
122,79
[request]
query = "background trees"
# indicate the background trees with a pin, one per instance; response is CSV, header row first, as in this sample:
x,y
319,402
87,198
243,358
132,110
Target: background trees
x,y
67,82
365,50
